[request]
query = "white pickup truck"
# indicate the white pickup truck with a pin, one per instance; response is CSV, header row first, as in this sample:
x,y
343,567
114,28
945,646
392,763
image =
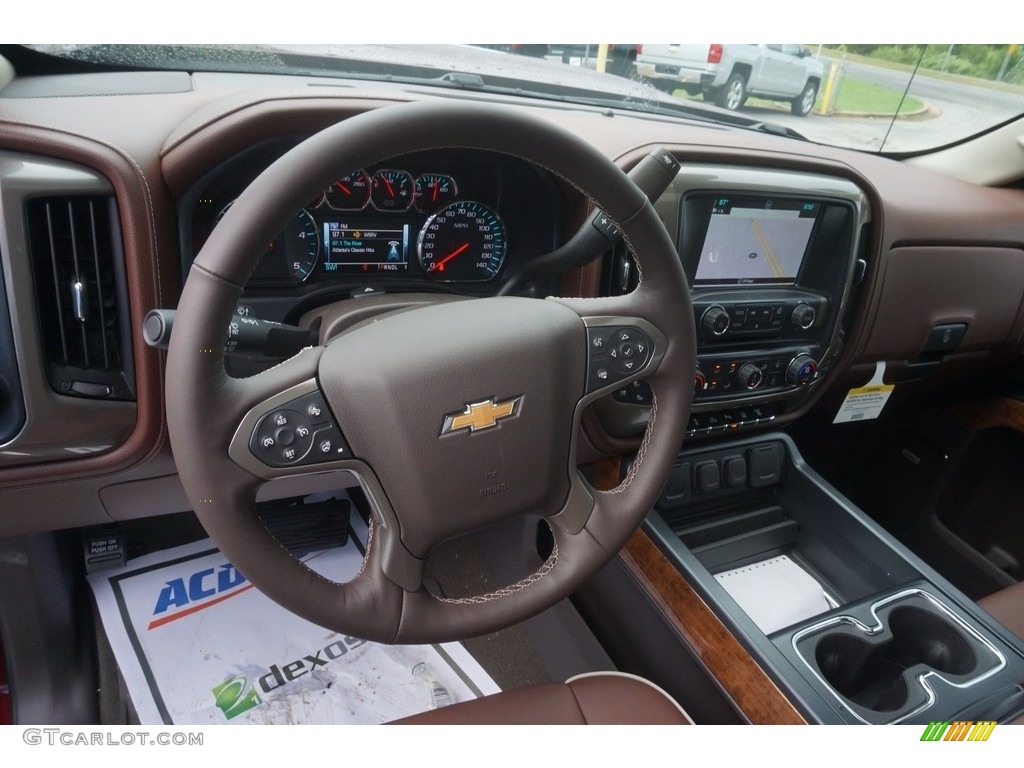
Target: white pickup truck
x,y
727,74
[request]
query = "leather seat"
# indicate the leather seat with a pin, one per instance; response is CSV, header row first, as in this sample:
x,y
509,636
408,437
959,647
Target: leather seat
x,y
1007,605
600,698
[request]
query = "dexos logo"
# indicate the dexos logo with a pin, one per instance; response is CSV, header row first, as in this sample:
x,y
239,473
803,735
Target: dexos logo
x,y
235,695
232,699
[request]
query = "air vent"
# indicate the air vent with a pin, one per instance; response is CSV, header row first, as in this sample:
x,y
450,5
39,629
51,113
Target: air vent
x,y
81,294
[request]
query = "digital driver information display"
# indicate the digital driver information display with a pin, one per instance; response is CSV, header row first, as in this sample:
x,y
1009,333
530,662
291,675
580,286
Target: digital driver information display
x,y
755,241
368,249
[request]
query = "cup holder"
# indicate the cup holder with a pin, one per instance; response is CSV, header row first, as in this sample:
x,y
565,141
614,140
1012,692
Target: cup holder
x,y
881,669
871,672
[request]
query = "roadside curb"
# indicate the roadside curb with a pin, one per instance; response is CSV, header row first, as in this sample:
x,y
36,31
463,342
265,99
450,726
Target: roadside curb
x,y
926,112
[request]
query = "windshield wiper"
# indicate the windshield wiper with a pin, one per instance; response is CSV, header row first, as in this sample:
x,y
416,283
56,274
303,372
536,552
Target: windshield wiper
x,y
469,81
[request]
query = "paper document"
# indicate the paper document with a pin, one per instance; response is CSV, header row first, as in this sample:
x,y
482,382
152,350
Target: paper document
x,y
198,644
775,593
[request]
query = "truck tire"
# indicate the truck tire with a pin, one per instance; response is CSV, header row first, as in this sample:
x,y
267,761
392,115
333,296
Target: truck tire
x,y
732,95
804,103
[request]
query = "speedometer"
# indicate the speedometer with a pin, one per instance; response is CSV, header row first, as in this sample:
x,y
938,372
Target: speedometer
x,y
462,243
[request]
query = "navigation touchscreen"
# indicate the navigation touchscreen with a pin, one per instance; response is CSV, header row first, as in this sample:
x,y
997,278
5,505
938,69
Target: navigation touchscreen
x,y
752,241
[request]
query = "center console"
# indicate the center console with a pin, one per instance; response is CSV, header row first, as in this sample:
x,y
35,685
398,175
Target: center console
x,y
771,258
849,624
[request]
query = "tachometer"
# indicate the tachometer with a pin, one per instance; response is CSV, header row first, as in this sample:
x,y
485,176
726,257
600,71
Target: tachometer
x,y
462,243
293,253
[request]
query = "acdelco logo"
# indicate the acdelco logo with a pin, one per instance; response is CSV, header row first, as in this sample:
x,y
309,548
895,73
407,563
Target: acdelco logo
x,y
235,696
482,415
196,592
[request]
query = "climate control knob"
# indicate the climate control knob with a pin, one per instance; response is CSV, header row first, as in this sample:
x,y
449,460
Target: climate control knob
x,y
715,321
699,381
802,370
749,376
803,316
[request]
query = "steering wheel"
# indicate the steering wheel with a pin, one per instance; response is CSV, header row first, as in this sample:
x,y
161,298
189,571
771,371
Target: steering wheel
x,y
453,416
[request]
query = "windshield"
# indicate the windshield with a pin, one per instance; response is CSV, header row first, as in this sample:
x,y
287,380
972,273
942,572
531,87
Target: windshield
x,y
894,99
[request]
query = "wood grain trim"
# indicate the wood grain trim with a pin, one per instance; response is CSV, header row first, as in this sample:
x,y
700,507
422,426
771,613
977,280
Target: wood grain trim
x,y
754,694
986,414
607,473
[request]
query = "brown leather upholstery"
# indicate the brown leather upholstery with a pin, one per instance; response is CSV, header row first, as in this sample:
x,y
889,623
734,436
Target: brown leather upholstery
x,y
1007,605
600,699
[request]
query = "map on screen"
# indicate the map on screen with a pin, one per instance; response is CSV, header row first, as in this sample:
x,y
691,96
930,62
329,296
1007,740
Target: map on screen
x,y
751,242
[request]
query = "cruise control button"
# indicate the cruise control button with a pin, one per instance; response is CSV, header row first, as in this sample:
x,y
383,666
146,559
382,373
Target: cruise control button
x,y
288,435
328,445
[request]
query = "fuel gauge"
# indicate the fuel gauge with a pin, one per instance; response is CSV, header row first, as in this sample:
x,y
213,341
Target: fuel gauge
x,y
433,192
391,190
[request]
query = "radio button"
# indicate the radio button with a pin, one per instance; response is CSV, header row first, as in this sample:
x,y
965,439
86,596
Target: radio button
x,y
803,316
715,321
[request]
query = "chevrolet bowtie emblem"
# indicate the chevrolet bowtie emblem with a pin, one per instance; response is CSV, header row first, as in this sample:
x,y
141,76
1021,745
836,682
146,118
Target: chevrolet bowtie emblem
x,y
483,415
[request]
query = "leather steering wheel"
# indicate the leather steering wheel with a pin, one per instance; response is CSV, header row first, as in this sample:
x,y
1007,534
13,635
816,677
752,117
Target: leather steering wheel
x,y
453,416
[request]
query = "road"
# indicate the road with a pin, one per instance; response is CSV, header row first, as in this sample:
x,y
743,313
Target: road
x,y
955,110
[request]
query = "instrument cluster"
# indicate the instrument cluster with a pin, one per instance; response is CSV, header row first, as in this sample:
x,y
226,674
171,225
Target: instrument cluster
x,y
448,218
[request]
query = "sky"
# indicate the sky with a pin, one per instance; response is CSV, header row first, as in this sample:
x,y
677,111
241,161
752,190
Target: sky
x,y
419,21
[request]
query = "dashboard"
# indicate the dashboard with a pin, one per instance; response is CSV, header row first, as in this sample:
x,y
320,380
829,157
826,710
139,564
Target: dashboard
x,y
856,259
810,268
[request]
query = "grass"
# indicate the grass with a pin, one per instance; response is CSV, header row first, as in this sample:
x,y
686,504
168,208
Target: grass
x,y
860,96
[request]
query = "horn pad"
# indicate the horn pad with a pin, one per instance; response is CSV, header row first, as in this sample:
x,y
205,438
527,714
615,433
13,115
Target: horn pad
x,y
464,410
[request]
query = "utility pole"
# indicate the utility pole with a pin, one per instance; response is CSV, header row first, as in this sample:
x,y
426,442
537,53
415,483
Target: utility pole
x,y
1010,50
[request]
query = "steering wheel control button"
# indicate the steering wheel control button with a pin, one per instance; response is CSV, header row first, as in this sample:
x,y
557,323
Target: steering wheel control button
x,y
599,340
616,354
328,445
635,393
300,433
607,227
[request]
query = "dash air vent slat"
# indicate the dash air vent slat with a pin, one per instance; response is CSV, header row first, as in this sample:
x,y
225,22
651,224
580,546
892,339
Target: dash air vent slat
x,y
81,295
